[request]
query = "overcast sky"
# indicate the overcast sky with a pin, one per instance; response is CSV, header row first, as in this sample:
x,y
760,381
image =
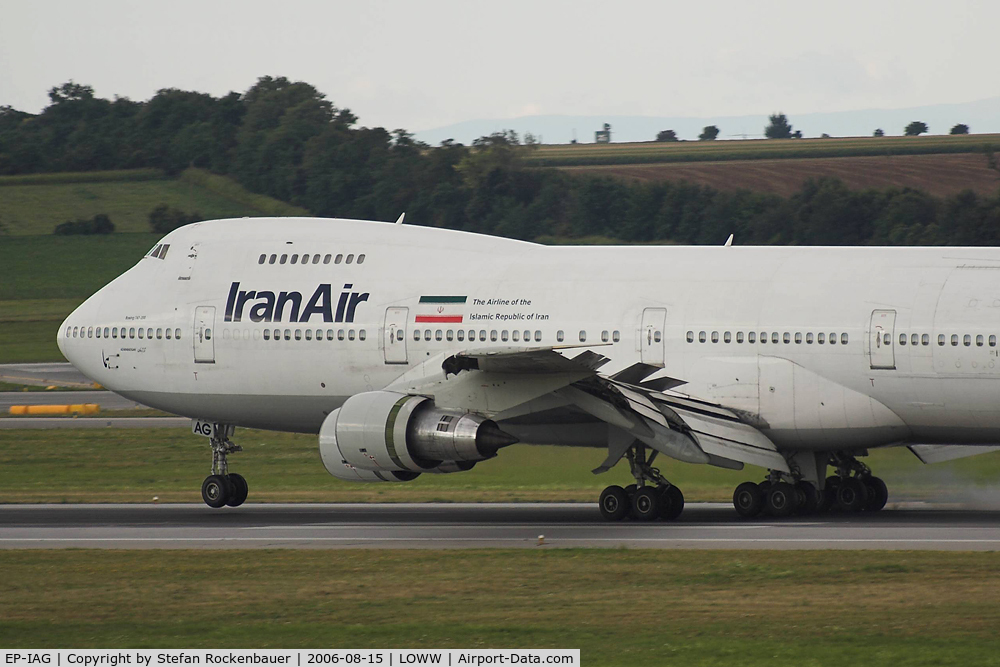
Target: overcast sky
x,y
420,65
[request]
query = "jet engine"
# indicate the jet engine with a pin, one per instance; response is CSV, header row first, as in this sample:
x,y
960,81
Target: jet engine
x,y
386,436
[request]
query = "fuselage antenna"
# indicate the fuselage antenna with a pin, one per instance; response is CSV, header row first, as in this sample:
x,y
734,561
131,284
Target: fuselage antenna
x,y
729,241
401,216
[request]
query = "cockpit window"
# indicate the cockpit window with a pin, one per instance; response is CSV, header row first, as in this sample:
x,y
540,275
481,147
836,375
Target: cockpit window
x,y
159,251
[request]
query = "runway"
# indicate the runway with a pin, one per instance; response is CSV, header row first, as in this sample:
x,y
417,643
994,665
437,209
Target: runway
x,y
448,526
108,400
61,374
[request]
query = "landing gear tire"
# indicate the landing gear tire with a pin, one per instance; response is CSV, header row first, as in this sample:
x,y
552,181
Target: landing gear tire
x,y
671,503
630,491
646,504
830,491
215,491
809,497
748,500
240,489
782,499
852,496
878,494
614,503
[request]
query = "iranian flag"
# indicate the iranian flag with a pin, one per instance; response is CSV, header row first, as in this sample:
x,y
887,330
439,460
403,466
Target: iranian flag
x,y
441,309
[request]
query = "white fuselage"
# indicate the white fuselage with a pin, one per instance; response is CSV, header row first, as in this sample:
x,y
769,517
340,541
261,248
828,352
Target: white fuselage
x,y
692,310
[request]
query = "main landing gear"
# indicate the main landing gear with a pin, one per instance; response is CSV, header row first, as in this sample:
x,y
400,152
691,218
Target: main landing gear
x,y
651,497
223,488
852,489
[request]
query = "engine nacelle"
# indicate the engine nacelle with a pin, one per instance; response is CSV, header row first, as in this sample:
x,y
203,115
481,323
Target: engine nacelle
x,y
387,432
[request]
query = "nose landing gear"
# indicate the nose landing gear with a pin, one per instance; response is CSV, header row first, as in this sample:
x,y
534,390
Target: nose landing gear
x,y
221,487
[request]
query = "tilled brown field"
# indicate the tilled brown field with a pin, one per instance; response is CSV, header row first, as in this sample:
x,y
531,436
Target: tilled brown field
x,y
941,175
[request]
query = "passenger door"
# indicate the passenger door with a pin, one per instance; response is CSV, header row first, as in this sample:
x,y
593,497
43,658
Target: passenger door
x,y
653,323
881,352
394,335
204,343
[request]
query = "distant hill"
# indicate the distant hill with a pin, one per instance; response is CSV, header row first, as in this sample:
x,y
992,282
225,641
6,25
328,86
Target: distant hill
x,y
36,203
982,116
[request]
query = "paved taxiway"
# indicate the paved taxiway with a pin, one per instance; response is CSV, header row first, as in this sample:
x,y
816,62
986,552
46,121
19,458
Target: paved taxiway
x,y
704,526
60,374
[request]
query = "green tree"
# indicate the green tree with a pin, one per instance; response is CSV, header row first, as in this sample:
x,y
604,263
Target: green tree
x,y
666,135
915,128
709,133
778,128
961,128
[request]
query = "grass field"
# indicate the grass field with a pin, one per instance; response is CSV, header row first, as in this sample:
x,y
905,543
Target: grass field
x,y
940,175
619,607
756,149
35,204
122,465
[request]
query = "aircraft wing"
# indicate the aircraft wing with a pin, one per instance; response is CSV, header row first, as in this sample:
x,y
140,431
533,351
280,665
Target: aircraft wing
x,y
497,382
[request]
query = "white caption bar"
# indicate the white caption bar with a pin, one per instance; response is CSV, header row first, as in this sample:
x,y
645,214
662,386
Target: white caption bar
x,y
293,658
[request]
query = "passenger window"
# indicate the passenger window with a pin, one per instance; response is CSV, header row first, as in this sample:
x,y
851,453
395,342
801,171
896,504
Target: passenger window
x,y
131,332
940,339
461,334
142,332
267,334
515,335
427,334
326,259
284,258
833,339
329,334
262,259
416,334
902,339
538,335
340,258
295,259
316,258
350,259
954,340
527,336
798,338
340,335
914,339
362,334
967,340
993,341
786,338
177,334
616,336
605,336
482,335
106,331
809,338
843,339
820,338
727,337
715,336
763,336
350,334
450,334
979,340
774,337
90,333
97,332
438,335
690,336
657,336
559,336
503,335
583,336
309,334
702,336
361,258
752,337
288,334
739,337
925,339
272,259
493,335
298,334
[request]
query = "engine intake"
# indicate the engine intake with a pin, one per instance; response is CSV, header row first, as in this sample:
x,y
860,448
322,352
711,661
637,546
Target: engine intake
x,y
389,432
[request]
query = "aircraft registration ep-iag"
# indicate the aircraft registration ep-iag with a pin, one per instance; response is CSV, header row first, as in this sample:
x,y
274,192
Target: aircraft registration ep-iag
x,y
411,350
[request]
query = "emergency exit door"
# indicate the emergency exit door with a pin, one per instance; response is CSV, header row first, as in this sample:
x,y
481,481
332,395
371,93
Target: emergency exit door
x,y
204,343
654,321
394,335
880,340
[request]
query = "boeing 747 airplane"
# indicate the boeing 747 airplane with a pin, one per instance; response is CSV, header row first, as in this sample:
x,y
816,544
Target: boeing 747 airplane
x,y
412,350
